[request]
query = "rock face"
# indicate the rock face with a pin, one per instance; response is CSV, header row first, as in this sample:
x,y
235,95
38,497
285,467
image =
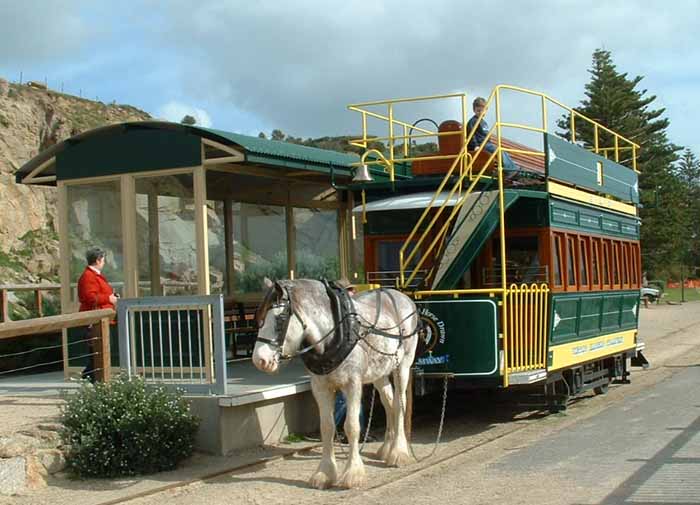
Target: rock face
x,y
32,120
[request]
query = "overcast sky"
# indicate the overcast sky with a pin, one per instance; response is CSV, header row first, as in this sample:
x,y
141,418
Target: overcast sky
x,y
248,65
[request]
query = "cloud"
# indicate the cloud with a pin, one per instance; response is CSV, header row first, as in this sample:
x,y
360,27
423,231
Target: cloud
x,y
295,65
40,30
175,111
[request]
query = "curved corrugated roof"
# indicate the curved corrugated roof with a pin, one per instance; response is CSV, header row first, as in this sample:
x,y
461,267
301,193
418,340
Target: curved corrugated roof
x,y
256,150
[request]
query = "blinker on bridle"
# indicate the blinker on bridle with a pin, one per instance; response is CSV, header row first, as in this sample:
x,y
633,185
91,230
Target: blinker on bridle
x,y
282,321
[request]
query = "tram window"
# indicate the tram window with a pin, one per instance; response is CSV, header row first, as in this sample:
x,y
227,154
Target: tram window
x,y
595,262
583,262
522,258
570,264
634,250
556,260
605,263
615,262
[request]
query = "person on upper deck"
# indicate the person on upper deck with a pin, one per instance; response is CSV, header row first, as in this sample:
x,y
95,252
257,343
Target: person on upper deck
x,y
481,133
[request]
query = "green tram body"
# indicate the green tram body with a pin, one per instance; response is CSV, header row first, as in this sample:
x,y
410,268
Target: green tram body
x,y
463,332
572,233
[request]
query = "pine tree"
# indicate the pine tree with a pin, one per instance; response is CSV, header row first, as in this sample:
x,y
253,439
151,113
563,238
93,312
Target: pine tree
x,y
188,120
615,101
688,170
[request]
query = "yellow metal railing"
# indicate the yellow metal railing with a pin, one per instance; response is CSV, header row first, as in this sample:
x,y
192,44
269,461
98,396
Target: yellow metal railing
x,y
525,345
406,127
411,132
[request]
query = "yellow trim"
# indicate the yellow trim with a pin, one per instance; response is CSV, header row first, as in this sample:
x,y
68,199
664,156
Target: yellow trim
x,y
580,351
582,196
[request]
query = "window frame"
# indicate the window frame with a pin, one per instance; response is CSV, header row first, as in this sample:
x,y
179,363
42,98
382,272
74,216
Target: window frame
x,y
584,260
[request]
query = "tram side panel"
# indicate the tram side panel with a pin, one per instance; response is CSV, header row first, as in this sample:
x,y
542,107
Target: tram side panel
x,y
460,338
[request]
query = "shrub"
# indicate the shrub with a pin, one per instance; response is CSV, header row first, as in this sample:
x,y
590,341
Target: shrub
x,y
126,428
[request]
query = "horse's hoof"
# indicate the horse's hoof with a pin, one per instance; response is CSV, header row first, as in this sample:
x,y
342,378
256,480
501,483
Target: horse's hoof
x,y
352,479
320,480
398,458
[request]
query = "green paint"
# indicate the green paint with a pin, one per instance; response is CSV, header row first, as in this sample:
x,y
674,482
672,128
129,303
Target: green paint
x,y
468,330
585,219
570,163
126,151
577,316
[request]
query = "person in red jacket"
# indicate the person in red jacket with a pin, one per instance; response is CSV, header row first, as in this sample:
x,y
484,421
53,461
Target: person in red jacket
x,y
94,292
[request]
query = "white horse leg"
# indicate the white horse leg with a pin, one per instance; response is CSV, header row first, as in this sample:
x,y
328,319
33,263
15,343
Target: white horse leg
x,y
398,456
386,395
354,473
326,474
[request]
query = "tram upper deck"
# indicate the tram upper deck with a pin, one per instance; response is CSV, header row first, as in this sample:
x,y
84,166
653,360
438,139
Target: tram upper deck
x,y
595,168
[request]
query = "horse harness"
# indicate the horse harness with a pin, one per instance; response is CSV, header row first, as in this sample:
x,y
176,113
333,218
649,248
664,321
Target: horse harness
x,y
339,342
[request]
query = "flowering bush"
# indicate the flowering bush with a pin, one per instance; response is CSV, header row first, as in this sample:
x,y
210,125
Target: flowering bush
x,y
125,428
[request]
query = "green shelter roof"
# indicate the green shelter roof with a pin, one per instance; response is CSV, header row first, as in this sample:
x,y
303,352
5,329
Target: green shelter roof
x,y
154,145
256,146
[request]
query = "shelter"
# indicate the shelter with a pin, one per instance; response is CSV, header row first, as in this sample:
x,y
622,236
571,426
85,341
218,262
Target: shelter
x,y
189,210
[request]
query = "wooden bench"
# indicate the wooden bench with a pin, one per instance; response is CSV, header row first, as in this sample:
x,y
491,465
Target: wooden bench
x,y
240,328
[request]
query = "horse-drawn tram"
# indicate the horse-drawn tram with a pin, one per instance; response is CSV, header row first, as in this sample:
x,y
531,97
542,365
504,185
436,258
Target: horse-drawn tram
x,y
523,257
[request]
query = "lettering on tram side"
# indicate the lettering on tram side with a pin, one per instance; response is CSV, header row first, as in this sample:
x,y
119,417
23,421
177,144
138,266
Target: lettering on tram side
x,y
594,346
433,360
434,332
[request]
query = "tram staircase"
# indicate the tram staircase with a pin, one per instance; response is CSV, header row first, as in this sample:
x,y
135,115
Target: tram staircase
x,y
465,229
459,239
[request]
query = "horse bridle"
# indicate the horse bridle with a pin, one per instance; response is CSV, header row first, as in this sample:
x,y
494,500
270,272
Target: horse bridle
x,y
282,320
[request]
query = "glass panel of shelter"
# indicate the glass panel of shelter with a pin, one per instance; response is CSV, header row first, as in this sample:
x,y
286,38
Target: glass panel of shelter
x,y
94,220
166,235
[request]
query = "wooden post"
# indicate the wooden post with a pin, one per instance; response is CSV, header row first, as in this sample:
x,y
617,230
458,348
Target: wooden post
x,y
154,242
104,357
228,245
4,306
291,241
39,303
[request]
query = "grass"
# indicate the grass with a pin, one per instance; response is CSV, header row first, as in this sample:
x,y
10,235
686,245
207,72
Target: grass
x,y
674,295
293,438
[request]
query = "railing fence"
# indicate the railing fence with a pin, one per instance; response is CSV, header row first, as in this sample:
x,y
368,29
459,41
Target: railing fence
x,y
174,341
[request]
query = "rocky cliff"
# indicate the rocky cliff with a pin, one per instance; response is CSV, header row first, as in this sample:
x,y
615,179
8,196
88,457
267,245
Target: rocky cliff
x,y
31,120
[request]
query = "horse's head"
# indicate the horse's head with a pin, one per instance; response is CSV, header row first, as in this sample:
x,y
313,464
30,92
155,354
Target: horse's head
x,y
280,326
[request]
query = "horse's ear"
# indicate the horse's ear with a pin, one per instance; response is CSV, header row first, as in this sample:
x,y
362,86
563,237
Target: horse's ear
x,y
267,283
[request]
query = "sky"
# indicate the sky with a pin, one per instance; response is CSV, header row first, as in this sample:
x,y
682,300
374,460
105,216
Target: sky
x,y
249,66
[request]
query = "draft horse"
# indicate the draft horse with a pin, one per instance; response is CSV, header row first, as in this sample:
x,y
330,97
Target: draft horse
x,y
344,343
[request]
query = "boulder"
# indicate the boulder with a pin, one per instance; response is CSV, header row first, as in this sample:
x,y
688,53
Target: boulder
x,y
36,472
4,87
17,445
52,460
13,476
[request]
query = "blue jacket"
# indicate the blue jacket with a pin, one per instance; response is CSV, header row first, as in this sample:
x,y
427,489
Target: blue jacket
x,y
480,133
